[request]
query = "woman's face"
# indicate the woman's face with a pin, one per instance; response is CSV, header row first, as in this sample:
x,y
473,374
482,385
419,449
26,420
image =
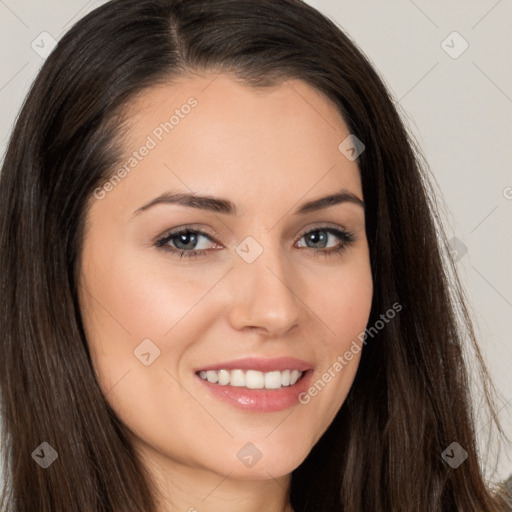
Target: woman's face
x,y
260,288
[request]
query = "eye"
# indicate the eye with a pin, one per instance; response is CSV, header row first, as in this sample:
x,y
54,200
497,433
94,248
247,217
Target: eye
x,y
191,242
320,237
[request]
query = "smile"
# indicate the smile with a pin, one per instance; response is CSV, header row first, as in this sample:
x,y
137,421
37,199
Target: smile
x,y
252,379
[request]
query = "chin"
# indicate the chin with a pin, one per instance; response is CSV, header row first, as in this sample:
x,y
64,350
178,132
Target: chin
x,y
277,463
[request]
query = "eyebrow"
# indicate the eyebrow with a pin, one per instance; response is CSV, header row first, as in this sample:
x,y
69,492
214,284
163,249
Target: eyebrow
x,y
219,205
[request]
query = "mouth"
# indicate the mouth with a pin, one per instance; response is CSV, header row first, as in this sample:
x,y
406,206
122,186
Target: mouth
x,y
260,385
252,379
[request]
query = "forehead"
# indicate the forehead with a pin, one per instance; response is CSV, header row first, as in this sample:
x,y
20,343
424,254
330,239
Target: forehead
x,y
215,135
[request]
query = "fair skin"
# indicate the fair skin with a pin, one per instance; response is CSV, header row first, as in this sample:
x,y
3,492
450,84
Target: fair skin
x,y
269,152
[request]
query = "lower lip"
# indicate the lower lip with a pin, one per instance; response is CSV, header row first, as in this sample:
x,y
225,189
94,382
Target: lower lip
x,y
262,400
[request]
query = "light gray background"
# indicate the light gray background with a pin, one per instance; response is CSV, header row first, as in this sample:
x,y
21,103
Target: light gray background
x,y
459,109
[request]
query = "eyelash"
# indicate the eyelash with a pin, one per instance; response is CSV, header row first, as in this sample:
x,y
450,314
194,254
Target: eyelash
x,y
346,236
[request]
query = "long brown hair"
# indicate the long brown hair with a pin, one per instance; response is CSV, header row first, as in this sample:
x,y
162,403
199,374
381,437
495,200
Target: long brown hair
x,y
410,398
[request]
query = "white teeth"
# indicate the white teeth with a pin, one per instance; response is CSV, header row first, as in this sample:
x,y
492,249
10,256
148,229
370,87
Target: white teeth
x,y
252,379
237,378
211,376
294,377
223,377
273,380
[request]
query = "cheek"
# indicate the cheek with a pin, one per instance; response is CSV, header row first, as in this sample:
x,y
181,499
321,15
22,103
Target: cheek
x,y
343,304
128,299
134,297
343,308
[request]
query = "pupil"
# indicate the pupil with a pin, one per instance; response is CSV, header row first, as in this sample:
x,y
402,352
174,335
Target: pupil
x,y
183,238
319,238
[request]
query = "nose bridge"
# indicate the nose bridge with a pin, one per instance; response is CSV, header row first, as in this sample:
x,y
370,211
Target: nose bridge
x,y
264,296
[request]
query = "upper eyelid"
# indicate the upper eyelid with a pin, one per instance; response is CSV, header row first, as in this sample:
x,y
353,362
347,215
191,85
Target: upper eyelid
x,y
184,229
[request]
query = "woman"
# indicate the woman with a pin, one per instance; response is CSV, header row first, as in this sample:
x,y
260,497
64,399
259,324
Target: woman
x,y
223,286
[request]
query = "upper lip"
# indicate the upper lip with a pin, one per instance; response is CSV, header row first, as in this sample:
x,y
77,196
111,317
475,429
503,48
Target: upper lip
x,y
259,364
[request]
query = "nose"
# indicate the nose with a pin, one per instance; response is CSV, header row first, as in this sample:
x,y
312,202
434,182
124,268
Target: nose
x,y
263,296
